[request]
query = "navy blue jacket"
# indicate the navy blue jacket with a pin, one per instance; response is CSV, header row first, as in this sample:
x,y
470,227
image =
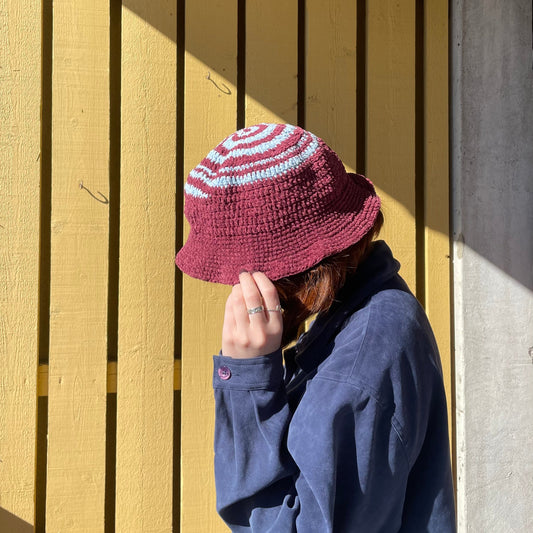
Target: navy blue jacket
x,y
351,434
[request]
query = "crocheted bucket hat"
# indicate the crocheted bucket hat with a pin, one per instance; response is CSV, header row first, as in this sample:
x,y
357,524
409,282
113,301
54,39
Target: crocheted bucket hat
x,y
274,198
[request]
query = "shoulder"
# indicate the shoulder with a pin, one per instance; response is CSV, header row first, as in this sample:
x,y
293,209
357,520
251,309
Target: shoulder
x,y
386,344
384,365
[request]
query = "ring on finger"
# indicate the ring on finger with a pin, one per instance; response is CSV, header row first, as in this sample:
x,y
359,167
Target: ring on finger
x,y
254,310
277,309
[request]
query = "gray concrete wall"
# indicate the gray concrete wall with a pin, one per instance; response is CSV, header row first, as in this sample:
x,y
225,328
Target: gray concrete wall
x,y
492,183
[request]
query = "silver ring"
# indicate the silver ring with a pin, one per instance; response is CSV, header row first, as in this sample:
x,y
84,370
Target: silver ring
x,y
255,310
277,309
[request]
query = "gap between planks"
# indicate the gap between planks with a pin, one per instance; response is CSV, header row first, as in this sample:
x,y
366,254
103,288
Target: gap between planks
x,y
42,380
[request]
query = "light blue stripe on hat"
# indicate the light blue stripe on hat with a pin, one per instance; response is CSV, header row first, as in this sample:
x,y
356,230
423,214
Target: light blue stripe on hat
x,y
216,157
230,143
204,174
230,170
194,191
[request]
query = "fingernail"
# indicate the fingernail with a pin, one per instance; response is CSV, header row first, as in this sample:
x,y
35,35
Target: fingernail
x,y
242,271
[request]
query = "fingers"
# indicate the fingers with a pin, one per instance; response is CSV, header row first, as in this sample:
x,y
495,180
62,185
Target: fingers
x,y
240,306
269,294
252,334
252,297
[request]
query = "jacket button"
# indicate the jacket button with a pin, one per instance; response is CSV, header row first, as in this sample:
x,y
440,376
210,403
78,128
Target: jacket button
x,y
224,372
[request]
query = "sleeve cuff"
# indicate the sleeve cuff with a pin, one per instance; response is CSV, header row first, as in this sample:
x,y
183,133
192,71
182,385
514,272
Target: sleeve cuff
x,y
257,373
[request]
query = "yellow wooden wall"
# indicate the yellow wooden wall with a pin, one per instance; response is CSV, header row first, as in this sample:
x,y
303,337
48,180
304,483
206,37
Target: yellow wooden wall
x,y
106,412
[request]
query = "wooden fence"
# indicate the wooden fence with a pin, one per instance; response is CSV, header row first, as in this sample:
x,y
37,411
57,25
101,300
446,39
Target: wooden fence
x,y
106,414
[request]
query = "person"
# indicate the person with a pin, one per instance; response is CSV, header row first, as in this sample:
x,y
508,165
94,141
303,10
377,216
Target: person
x,y
346,429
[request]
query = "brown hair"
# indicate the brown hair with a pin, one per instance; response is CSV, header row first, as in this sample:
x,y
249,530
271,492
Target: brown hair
x,y
314,290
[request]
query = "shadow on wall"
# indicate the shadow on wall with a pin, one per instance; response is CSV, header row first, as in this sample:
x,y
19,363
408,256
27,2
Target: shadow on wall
x,y
493,136
160,15
13,524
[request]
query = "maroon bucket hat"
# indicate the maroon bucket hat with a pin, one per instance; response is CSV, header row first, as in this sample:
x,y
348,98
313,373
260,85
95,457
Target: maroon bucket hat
x,y
273,198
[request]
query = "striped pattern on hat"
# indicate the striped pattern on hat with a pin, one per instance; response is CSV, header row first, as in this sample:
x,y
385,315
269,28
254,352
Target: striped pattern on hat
x,y
250,155
275,198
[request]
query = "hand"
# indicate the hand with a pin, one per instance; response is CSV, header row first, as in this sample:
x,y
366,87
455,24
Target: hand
x,y
245,335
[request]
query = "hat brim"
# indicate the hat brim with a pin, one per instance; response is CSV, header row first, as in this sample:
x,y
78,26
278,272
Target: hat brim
x,y
294,250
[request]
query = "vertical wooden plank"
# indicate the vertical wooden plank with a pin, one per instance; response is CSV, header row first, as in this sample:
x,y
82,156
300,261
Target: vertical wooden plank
x,y
210,115
330,84
437,197
391,123
145,380
20,93
79,247
271,61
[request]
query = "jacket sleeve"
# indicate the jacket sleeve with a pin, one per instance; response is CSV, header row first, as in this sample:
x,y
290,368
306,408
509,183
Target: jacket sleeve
x,y
338,464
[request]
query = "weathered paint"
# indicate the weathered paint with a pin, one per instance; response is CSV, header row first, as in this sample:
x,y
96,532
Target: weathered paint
x,y
20,98
42,378
79,267
146,374
331,76
210,115
145,370
492,83
437,261
271,61
390,123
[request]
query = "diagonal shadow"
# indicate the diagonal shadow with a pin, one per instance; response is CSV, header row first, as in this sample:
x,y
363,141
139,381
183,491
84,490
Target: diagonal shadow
x,y
13,524
160,15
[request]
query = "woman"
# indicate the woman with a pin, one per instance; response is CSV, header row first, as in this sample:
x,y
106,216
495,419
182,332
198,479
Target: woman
x,y
345,431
